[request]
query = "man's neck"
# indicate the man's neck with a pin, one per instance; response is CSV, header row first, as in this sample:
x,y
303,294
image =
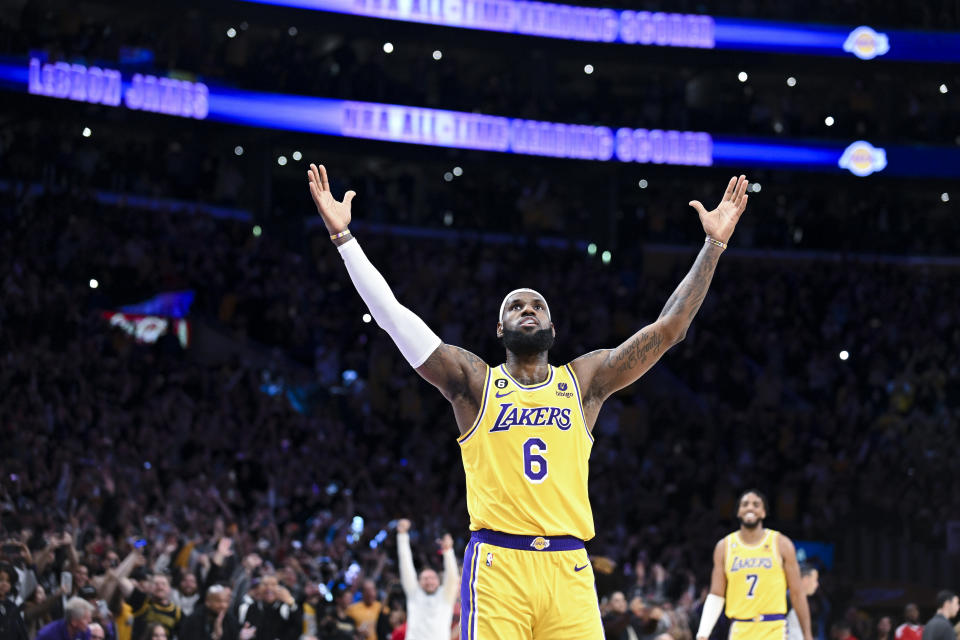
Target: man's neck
x,y
528,370
752,536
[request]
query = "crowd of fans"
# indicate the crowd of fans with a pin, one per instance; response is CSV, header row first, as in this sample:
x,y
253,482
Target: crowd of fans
x,y
148,493
135,442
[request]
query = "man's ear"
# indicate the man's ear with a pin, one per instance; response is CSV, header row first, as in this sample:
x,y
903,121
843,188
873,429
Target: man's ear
x,y
499,329
553,328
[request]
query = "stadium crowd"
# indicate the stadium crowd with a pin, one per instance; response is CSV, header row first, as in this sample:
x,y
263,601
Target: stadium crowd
x,y
131,442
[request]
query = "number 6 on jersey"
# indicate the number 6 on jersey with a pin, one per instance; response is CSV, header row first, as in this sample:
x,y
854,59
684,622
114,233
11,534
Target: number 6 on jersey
x,y
534,465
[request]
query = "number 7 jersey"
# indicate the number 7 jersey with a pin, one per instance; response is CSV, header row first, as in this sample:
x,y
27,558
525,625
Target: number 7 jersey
x,y
756,582
526,457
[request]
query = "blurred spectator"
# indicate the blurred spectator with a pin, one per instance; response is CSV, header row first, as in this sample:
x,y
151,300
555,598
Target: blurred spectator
x,y
74,625
271,613
939,626
213,619
810,581
366,612
910,630
430,600
11,624
152,606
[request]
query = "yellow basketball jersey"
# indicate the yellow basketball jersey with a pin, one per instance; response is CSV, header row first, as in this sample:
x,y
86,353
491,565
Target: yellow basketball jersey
x,y
526,457
756,583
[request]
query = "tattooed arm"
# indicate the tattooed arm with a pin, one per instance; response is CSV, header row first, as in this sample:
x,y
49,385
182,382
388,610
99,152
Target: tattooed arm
x,y
606,371
459,375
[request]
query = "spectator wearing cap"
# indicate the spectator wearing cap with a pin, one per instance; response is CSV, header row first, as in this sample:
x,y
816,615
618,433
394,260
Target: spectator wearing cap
x,y
11,624
77,615
939,626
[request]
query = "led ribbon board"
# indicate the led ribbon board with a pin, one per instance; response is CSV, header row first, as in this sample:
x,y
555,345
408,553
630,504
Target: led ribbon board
x,y
567,22
461,130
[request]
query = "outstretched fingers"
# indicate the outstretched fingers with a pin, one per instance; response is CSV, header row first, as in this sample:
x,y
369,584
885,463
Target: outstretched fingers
x,y
731,189
323,178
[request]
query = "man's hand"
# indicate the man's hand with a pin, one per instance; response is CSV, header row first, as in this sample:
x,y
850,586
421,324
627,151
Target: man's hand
x,y
248,632
720,222
403,526
336,215
285,596
446,543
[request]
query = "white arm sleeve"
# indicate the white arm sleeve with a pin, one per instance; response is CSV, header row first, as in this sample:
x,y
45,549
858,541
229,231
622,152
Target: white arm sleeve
x,y
711,612
411,334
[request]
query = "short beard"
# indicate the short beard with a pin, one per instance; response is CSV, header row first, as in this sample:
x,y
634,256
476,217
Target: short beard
x,y
527,344
751,525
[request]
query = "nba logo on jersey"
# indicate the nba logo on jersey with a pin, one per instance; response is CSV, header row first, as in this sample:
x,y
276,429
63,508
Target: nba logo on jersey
x,y
490,559
540,543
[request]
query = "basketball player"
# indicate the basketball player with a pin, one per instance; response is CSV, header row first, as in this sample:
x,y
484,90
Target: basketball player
x,y
525,432
752,569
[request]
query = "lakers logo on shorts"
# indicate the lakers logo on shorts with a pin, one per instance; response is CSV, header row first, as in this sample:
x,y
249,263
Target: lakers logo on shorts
x,y
540,543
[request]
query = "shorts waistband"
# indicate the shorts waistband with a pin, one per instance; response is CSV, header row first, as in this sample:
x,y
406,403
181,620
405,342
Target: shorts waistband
x,y
767,617
527,543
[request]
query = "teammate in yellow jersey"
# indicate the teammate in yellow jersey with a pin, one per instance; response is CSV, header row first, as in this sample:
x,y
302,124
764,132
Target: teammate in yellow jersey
x,y
752,569
525,432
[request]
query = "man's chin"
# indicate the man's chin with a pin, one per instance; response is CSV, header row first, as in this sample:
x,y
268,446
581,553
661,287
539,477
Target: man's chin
x,y
751,525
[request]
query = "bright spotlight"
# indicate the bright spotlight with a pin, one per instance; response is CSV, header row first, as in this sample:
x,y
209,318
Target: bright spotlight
x,y
297,155
87,132
592,249
437,54
367,317
457,171
282,161
606,256
238,150
93,283
231,33
388,47
643,184
742,76
791,81
844,355
944,197
829,121
943,88
588,69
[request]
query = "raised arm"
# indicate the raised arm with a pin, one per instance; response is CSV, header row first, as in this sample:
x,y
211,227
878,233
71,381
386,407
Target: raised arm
x,y
798,596
606,371
408,573
451,573
457,373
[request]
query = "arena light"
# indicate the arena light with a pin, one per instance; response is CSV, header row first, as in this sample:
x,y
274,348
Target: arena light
x,y
437,54
742,76
388,47
93,283
588,69
592,249
87,132
829,121
943,88
447,176
944,197
458,171
282,161
606,257
643,184
297,156
791,81
292,32
231,33
844,355
257,231
238,150
366,318
448,218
